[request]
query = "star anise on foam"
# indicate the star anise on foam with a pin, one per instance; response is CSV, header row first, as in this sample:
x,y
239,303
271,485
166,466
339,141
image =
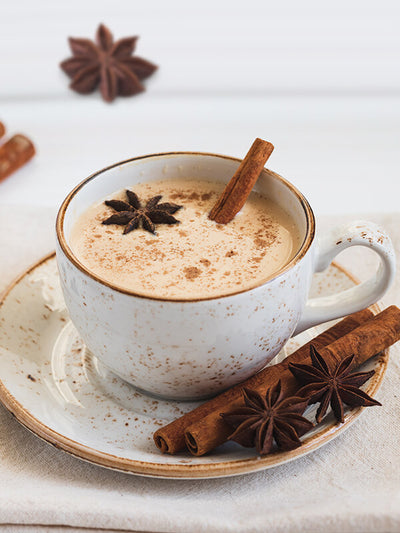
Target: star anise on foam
x,y
107,64
132,215
332,386
264,419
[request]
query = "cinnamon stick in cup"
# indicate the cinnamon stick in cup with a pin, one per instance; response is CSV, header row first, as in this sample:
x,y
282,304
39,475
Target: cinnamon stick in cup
x,y
364,342
14,154
2,130
171,438
241,184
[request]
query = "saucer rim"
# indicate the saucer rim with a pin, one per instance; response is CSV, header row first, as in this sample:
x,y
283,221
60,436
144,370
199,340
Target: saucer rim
x,y
181,471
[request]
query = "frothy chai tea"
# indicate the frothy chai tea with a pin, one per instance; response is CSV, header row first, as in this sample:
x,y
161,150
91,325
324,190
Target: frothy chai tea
x,y
196,258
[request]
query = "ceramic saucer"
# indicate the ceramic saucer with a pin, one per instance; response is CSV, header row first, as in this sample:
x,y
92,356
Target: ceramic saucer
x,y
57,389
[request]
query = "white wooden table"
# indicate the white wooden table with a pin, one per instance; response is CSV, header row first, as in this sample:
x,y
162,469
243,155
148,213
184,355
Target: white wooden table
x,y
322,82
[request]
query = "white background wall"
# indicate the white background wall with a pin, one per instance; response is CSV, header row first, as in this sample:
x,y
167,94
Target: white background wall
x,y
321,80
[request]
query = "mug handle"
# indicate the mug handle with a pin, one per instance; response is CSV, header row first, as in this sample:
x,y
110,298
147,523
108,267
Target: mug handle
x,y
358,233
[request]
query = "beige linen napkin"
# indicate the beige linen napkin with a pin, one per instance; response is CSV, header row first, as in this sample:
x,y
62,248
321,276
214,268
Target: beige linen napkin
x,y
350,484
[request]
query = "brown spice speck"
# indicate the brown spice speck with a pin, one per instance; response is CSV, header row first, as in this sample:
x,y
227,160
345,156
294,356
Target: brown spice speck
x,y
31,377
192,273
194,196
177,196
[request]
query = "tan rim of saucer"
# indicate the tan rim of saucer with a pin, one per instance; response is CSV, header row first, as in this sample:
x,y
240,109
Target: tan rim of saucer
x,y
308,239
184,471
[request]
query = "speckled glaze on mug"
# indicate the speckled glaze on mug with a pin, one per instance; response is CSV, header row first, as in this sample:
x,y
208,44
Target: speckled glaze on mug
x,y
194,349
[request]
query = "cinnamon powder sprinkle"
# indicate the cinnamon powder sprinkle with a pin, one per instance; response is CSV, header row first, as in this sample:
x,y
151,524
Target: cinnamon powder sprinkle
x,y
192,272
191,259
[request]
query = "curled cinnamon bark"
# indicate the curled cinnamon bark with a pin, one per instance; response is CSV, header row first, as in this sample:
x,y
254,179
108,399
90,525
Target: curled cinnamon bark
x,y
239,187
14,154
171,438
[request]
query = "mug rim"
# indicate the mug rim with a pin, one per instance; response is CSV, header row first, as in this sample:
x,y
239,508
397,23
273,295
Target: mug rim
x,y
67,251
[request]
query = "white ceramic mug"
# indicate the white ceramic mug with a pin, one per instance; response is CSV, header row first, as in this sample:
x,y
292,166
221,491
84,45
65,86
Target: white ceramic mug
x,y
197,348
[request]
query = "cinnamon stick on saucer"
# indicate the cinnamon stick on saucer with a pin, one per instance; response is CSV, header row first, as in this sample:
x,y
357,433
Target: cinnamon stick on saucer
x,y
364,342
171,438
239,187
2,130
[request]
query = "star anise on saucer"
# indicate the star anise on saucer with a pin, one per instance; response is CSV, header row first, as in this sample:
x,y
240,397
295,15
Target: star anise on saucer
x,y
335,386
269,418
133,215
107,64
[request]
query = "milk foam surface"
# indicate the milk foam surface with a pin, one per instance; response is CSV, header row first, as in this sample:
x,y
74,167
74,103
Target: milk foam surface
x,y
194,259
